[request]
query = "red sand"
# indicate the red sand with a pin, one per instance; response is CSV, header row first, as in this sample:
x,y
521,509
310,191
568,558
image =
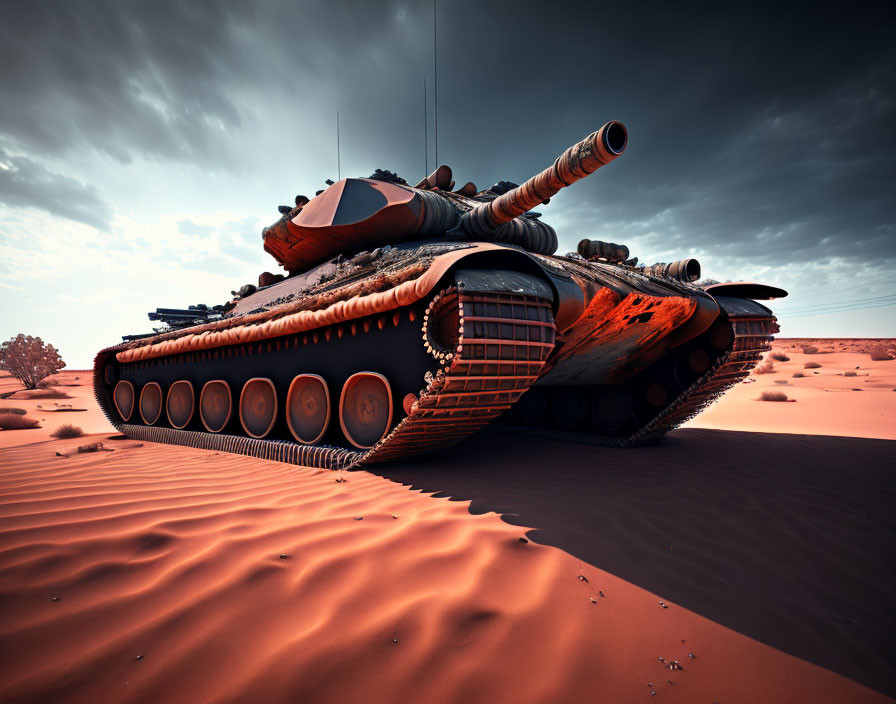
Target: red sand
x,y
63,390
827,403
172,555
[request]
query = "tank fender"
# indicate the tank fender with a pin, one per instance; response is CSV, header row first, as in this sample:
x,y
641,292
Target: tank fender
x,y
743,307
497,280
745,289
567,296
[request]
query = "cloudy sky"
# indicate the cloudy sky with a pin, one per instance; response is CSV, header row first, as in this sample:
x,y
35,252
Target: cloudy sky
x,y
144,145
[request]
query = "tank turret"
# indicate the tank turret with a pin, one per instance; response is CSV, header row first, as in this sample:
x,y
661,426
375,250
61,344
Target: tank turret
x,y
355,214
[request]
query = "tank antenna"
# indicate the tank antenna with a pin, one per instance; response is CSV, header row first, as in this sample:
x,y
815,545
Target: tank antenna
x,y
425,135
435,71
338,160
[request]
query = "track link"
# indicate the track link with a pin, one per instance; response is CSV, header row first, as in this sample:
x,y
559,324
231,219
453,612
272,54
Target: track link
x,y
502,343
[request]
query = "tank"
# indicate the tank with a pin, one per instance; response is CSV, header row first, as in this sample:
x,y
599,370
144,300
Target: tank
x,y
408,317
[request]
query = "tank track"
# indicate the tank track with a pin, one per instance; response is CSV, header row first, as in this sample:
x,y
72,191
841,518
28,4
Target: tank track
x,y
752,336
502,342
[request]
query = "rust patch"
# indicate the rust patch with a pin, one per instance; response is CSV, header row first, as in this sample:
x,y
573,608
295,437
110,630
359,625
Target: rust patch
x,y
616,338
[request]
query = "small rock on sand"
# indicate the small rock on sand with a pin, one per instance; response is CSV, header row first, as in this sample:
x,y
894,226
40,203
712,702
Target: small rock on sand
x,y
92,447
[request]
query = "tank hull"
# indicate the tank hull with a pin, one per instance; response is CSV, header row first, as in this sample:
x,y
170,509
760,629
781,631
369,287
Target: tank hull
x,y
458,333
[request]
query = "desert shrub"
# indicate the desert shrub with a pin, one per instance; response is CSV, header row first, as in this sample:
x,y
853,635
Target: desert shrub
x,y
765,367
29,359
11,421
810,349
850,373
811,365
67,431
14,411
779,357
879,353
773,396
798,375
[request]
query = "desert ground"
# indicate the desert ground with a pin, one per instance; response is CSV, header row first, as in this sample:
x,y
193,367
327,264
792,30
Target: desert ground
x,y
847,393
717,566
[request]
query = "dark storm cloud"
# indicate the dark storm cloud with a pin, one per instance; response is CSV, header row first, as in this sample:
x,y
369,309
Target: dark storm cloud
x,y
119,79
756,132
24,183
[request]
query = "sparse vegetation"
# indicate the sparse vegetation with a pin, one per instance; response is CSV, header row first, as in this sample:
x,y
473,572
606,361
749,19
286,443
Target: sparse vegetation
x,y
12,421
67,431
765,367
773,396
14,411
29,359
879,353
811,365
779,357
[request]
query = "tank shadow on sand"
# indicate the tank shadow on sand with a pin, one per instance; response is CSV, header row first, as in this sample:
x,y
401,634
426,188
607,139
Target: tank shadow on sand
x,y
784,538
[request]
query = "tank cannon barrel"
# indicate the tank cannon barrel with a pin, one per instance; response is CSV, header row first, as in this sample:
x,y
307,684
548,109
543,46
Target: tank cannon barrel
x,y
683,270
580,160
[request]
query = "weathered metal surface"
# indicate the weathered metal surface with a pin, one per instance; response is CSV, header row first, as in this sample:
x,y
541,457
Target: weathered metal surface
x,y
607,251
616,337
683,270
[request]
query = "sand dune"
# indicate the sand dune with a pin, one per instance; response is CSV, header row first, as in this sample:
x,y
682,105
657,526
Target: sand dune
x,y
784,538
166,563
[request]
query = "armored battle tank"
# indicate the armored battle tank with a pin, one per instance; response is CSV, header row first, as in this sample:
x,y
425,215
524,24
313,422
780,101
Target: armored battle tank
x,y
410,317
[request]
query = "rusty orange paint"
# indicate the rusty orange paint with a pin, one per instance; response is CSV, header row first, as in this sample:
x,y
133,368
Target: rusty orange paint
x,y
349,215
616,337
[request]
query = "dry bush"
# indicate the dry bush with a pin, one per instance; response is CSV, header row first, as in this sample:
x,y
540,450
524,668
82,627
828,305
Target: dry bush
x,y
67,431
15,411
798,375
811,365
779,357
11,421
879,353
765,367
773,396
29,360
850,373
810,349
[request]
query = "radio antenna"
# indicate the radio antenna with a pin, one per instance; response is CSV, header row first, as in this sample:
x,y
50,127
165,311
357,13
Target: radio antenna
x,y
425,135
435,71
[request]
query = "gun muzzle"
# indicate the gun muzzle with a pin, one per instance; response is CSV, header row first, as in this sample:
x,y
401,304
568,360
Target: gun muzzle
x,y
580,160
683,270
